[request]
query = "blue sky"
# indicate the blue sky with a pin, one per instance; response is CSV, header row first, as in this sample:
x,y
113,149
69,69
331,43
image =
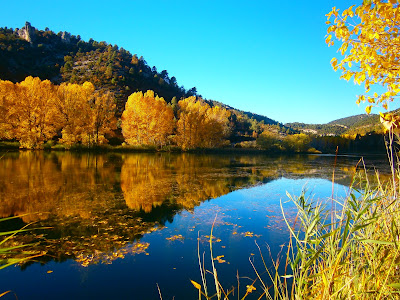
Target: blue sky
x,y
267,57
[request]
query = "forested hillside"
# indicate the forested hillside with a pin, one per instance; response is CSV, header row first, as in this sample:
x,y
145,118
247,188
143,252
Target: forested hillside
x,y
63,57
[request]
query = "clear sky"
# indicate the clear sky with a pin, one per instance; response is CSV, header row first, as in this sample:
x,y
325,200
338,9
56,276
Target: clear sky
x,y
267,57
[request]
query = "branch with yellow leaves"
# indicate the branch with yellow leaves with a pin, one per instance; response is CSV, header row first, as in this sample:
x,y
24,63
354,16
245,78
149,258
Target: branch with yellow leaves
x,y
370,39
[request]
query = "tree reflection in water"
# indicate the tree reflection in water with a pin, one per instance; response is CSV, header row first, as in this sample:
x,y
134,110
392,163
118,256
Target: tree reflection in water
x,y
100,205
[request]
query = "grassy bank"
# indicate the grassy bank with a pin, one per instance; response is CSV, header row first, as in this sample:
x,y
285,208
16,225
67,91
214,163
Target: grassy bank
x,y
49,146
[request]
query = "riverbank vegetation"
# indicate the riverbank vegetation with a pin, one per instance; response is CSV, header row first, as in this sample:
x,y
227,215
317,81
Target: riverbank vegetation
x,y
110,75
37,114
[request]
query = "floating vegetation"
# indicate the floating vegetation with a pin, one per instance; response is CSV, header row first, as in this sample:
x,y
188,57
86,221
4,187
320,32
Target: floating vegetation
x,y
220,259
175,237
109,257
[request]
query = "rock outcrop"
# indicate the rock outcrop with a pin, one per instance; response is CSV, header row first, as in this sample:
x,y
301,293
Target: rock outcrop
x,y
66,37
27,32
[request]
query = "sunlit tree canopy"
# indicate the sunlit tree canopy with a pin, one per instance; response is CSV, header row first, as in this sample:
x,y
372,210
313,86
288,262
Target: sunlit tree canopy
x,y
369,41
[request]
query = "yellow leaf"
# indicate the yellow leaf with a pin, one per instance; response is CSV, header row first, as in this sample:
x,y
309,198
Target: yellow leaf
x,y
219,259
328,39
196,285
2,294
368,109
250,288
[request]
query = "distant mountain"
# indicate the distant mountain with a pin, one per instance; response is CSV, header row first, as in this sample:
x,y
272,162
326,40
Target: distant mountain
x,y
358,124
357,120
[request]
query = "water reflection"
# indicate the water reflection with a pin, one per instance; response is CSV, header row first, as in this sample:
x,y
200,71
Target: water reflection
x,y
100,206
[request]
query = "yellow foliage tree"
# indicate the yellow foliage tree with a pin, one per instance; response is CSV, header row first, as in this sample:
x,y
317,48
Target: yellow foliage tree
x,y
199,125
146,120
297,142
7,96
103,119
370,40
86,115
73,103
31,112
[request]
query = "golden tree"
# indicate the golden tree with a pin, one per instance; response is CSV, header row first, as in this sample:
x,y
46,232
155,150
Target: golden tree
x,y
199,125
73,103
217,126
31,112
103,119
7,96
146,120
370,43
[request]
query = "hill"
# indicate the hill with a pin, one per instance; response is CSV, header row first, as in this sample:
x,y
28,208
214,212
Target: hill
x,y
64,57
358,124
356,121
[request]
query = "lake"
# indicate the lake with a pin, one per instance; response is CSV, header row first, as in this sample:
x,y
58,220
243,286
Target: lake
x,y
120,226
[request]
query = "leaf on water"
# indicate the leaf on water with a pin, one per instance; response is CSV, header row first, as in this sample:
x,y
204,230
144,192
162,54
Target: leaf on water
x,y
219,259
49,271
249,234
196,285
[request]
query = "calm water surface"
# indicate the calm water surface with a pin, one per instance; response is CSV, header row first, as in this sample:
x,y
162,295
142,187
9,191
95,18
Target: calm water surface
x,y
123,223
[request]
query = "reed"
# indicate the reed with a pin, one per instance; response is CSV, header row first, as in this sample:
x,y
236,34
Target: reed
x,y
11,254
351,252
345,249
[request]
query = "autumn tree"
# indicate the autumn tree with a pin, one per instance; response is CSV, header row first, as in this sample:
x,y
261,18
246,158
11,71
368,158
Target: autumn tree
x,y
297,142
73,104
147,119
31,112
369,40
199,125
270,140
86,115
7,96
103,121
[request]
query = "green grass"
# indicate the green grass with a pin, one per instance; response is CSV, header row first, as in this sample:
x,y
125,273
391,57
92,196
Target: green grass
x,y
9,145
